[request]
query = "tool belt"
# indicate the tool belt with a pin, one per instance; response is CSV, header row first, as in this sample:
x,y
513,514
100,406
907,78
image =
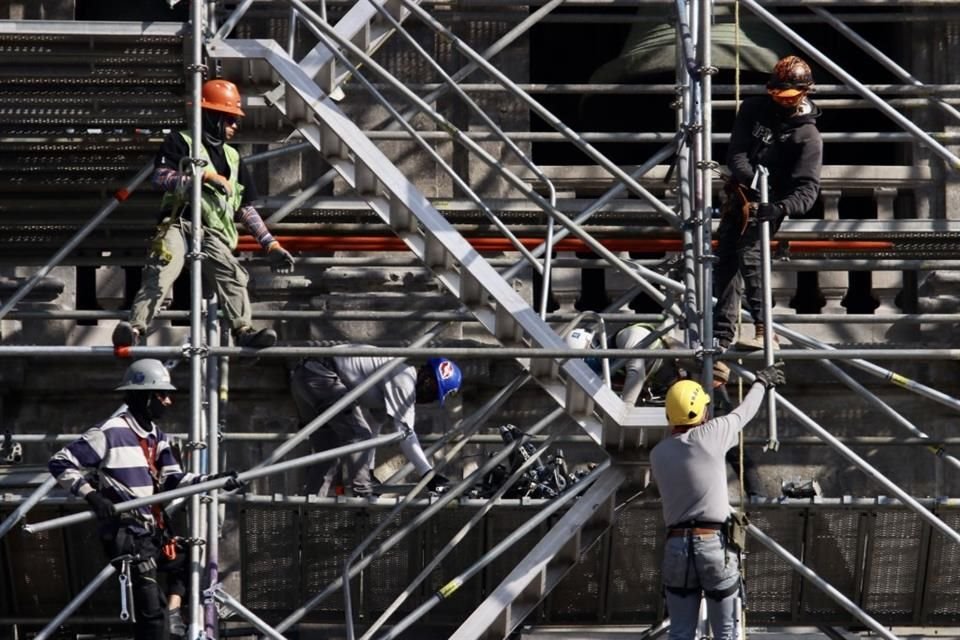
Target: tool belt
x,y
737,200
693,528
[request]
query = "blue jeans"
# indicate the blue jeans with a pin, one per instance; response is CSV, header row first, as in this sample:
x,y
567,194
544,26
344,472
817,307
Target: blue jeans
x,y
697,565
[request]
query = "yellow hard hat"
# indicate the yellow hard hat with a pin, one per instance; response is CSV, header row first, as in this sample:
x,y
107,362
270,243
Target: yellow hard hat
x,y
686,403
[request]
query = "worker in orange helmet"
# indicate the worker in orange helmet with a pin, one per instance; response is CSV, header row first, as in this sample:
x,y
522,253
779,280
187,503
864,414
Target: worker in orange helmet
x,y
778,131
226,196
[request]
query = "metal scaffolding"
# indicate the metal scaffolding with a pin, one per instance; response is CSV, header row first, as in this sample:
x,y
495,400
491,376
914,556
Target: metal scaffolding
x,y
313,83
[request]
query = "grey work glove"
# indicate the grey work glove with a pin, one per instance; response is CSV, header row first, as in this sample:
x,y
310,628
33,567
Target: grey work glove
x,y
771,376
769,212
280,259
104,509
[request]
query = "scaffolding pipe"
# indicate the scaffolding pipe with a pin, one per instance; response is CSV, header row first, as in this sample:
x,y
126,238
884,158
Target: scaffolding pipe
x,y
226,599
768,335
837,71
885,61
452,586
468,428
859,462
457,538
211,619
74,604
706,166
38,494
417,520
77,238
820,583
206,485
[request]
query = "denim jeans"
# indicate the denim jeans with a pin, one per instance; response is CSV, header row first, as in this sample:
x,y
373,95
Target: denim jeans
x,y
693,566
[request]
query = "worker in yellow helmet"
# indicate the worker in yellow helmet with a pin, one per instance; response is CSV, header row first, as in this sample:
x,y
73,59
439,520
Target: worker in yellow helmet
x,y
690,472
226,196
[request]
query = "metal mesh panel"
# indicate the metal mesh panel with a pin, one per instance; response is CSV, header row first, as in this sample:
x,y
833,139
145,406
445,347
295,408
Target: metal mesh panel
x,y
634,581
769,579
87,559
891,590
37,570
942,591
465,599
390,573
329,535
831,552
577,597
506,522
271,571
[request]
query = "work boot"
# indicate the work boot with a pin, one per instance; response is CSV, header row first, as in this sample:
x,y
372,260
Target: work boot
x,y
438,484
757,342
126,335
176,625
254,338
721,374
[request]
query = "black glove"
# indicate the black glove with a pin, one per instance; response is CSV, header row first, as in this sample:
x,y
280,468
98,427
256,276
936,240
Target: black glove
x,y
769,212
280,259
100,505
771,376
233,483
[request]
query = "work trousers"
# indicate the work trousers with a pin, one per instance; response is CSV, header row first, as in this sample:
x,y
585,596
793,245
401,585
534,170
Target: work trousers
x,y
221,273
149,602
315,387
737,273
694,566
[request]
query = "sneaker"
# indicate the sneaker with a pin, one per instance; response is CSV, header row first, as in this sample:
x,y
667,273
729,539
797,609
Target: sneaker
x,y
126,335
176,625
255,338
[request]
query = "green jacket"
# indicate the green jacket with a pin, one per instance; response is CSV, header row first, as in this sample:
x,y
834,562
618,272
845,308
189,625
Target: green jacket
x,y
217,210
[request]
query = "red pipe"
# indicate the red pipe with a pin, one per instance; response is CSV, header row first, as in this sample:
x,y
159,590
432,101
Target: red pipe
x,y
495,244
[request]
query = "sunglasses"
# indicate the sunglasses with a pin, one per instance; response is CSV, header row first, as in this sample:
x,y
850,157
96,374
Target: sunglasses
x,y
229,121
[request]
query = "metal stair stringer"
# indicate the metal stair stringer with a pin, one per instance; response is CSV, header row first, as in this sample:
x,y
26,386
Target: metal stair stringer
x,y
454,262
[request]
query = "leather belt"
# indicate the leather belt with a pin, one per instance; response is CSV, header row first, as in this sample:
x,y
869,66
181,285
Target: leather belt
x,y
694,531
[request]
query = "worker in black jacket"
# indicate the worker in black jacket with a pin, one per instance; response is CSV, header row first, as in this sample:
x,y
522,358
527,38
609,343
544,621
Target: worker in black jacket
x,y
778,131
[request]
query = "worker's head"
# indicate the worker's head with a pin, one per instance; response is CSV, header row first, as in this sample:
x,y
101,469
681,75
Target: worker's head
x,y
147,388
686,404
583,339
437,379
790,82
220,101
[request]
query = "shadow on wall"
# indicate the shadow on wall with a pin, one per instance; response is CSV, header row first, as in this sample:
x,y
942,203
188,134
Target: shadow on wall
x,y
133,10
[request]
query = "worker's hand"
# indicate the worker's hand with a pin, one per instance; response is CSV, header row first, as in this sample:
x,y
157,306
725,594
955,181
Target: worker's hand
x,y
769,212
233,482
100,505
771,376
280,259
218,182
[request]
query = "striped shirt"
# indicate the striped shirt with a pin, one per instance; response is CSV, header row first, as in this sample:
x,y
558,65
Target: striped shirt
x,y
112,452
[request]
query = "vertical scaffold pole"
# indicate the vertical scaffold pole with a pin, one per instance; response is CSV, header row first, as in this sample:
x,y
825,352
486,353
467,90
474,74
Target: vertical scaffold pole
x,y
773,442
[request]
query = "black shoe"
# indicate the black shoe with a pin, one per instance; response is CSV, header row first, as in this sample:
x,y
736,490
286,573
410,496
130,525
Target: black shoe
x,y
126,335
438,484
255,338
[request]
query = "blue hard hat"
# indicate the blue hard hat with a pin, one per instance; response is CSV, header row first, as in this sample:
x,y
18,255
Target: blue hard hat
x,y
448,377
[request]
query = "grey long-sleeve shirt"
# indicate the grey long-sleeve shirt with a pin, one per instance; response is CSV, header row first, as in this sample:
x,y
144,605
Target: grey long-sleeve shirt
x,y
690,470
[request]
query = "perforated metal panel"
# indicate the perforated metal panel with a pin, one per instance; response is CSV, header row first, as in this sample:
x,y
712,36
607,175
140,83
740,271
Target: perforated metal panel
x,y
464,554
577,597
833,546
772,586
86,559
38,569
271,568
942,593
634,573
503,524
391,572
329,535
894,565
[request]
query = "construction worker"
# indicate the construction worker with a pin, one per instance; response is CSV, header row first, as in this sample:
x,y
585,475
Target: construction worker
x,y
317,383
130,457
779,132
227,192
690,472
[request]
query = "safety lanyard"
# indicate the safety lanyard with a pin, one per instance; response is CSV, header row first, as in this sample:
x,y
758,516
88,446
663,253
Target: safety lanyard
x,y
150,454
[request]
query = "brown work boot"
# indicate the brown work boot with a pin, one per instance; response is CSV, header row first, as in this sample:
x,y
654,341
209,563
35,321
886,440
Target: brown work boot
x,y
254,338
757,342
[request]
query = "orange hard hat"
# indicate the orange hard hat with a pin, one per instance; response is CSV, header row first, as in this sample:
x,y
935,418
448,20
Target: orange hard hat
x,y
222,96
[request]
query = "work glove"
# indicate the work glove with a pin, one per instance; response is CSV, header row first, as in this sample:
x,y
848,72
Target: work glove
x,y
233,483
769,212
104,509
280,259
771,376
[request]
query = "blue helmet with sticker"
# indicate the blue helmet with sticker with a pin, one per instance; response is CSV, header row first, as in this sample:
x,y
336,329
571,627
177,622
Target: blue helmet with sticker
x,y
448,377
583,339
